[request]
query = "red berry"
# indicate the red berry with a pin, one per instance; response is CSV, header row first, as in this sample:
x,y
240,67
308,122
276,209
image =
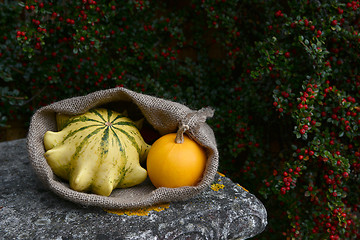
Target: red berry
x,y
287,54
37,45
279,14
306,22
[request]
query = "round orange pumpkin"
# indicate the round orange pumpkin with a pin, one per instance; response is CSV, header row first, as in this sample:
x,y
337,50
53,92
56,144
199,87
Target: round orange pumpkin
x,y
171,164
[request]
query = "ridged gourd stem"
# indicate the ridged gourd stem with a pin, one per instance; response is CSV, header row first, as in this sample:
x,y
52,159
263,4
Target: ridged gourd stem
x,y
180,134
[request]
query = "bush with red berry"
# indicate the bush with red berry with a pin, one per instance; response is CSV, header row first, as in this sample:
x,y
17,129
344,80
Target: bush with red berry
x,y
283,77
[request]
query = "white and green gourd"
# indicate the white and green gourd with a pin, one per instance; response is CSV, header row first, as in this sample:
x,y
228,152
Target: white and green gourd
x,y
97,151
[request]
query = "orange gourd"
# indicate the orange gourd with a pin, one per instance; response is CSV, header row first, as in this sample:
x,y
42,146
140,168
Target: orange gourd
x,y
171,164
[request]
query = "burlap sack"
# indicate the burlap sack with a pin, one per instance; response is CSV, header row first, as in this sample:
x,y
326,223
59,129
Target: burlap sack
x,y
163,115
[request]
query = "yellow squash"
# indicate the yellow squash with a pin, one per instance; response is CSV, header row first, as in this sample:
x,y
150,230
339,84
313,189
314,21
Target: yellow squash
x,y
97,151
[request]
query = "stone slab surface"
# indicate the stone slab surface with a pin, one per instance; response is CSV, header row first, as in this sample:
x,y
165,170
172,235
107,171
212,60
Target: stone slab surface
x,y
29,211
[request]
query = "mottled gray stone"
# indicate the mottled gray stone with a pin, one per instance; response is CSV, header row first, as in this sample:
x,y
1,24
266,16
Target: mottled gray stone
x,y
29,211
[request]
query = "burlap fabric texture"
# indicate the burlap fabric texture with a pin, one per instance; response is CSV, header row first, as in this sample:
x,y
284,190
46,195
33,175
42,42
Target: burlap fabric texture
x,y
163,115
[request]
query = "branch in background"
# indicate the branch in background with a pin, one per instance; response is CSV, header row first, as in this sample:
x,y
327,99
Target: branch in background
x,y
17,70
24,98
34,96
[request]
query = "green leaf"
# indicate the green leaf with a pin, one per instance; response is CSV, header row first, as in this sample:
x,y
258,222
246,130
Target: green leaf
x,y
327,154
305,136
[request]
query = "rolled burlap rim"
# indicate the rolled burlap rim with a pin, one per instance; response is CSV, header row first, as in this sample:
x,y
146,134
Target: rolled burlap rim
x,y
163,115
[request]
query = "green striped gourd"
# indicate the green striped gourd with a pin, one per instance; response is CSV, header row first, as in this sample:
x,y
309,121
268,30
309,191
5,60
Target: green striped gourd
x,y
97,151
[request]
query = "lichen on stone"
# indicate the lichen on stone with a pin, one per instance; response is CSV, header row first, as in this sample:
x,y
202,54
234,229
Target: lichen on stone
x,y
242,187
217,186
139,211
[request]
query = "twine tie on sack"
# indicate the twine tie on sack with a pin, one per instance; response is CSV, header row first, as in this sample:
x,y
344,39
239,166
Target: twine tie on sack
x,y
191,120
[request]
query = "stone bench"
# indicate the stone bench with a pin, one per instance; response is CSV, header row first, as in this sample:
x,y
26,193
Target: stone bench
x,y
29,211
